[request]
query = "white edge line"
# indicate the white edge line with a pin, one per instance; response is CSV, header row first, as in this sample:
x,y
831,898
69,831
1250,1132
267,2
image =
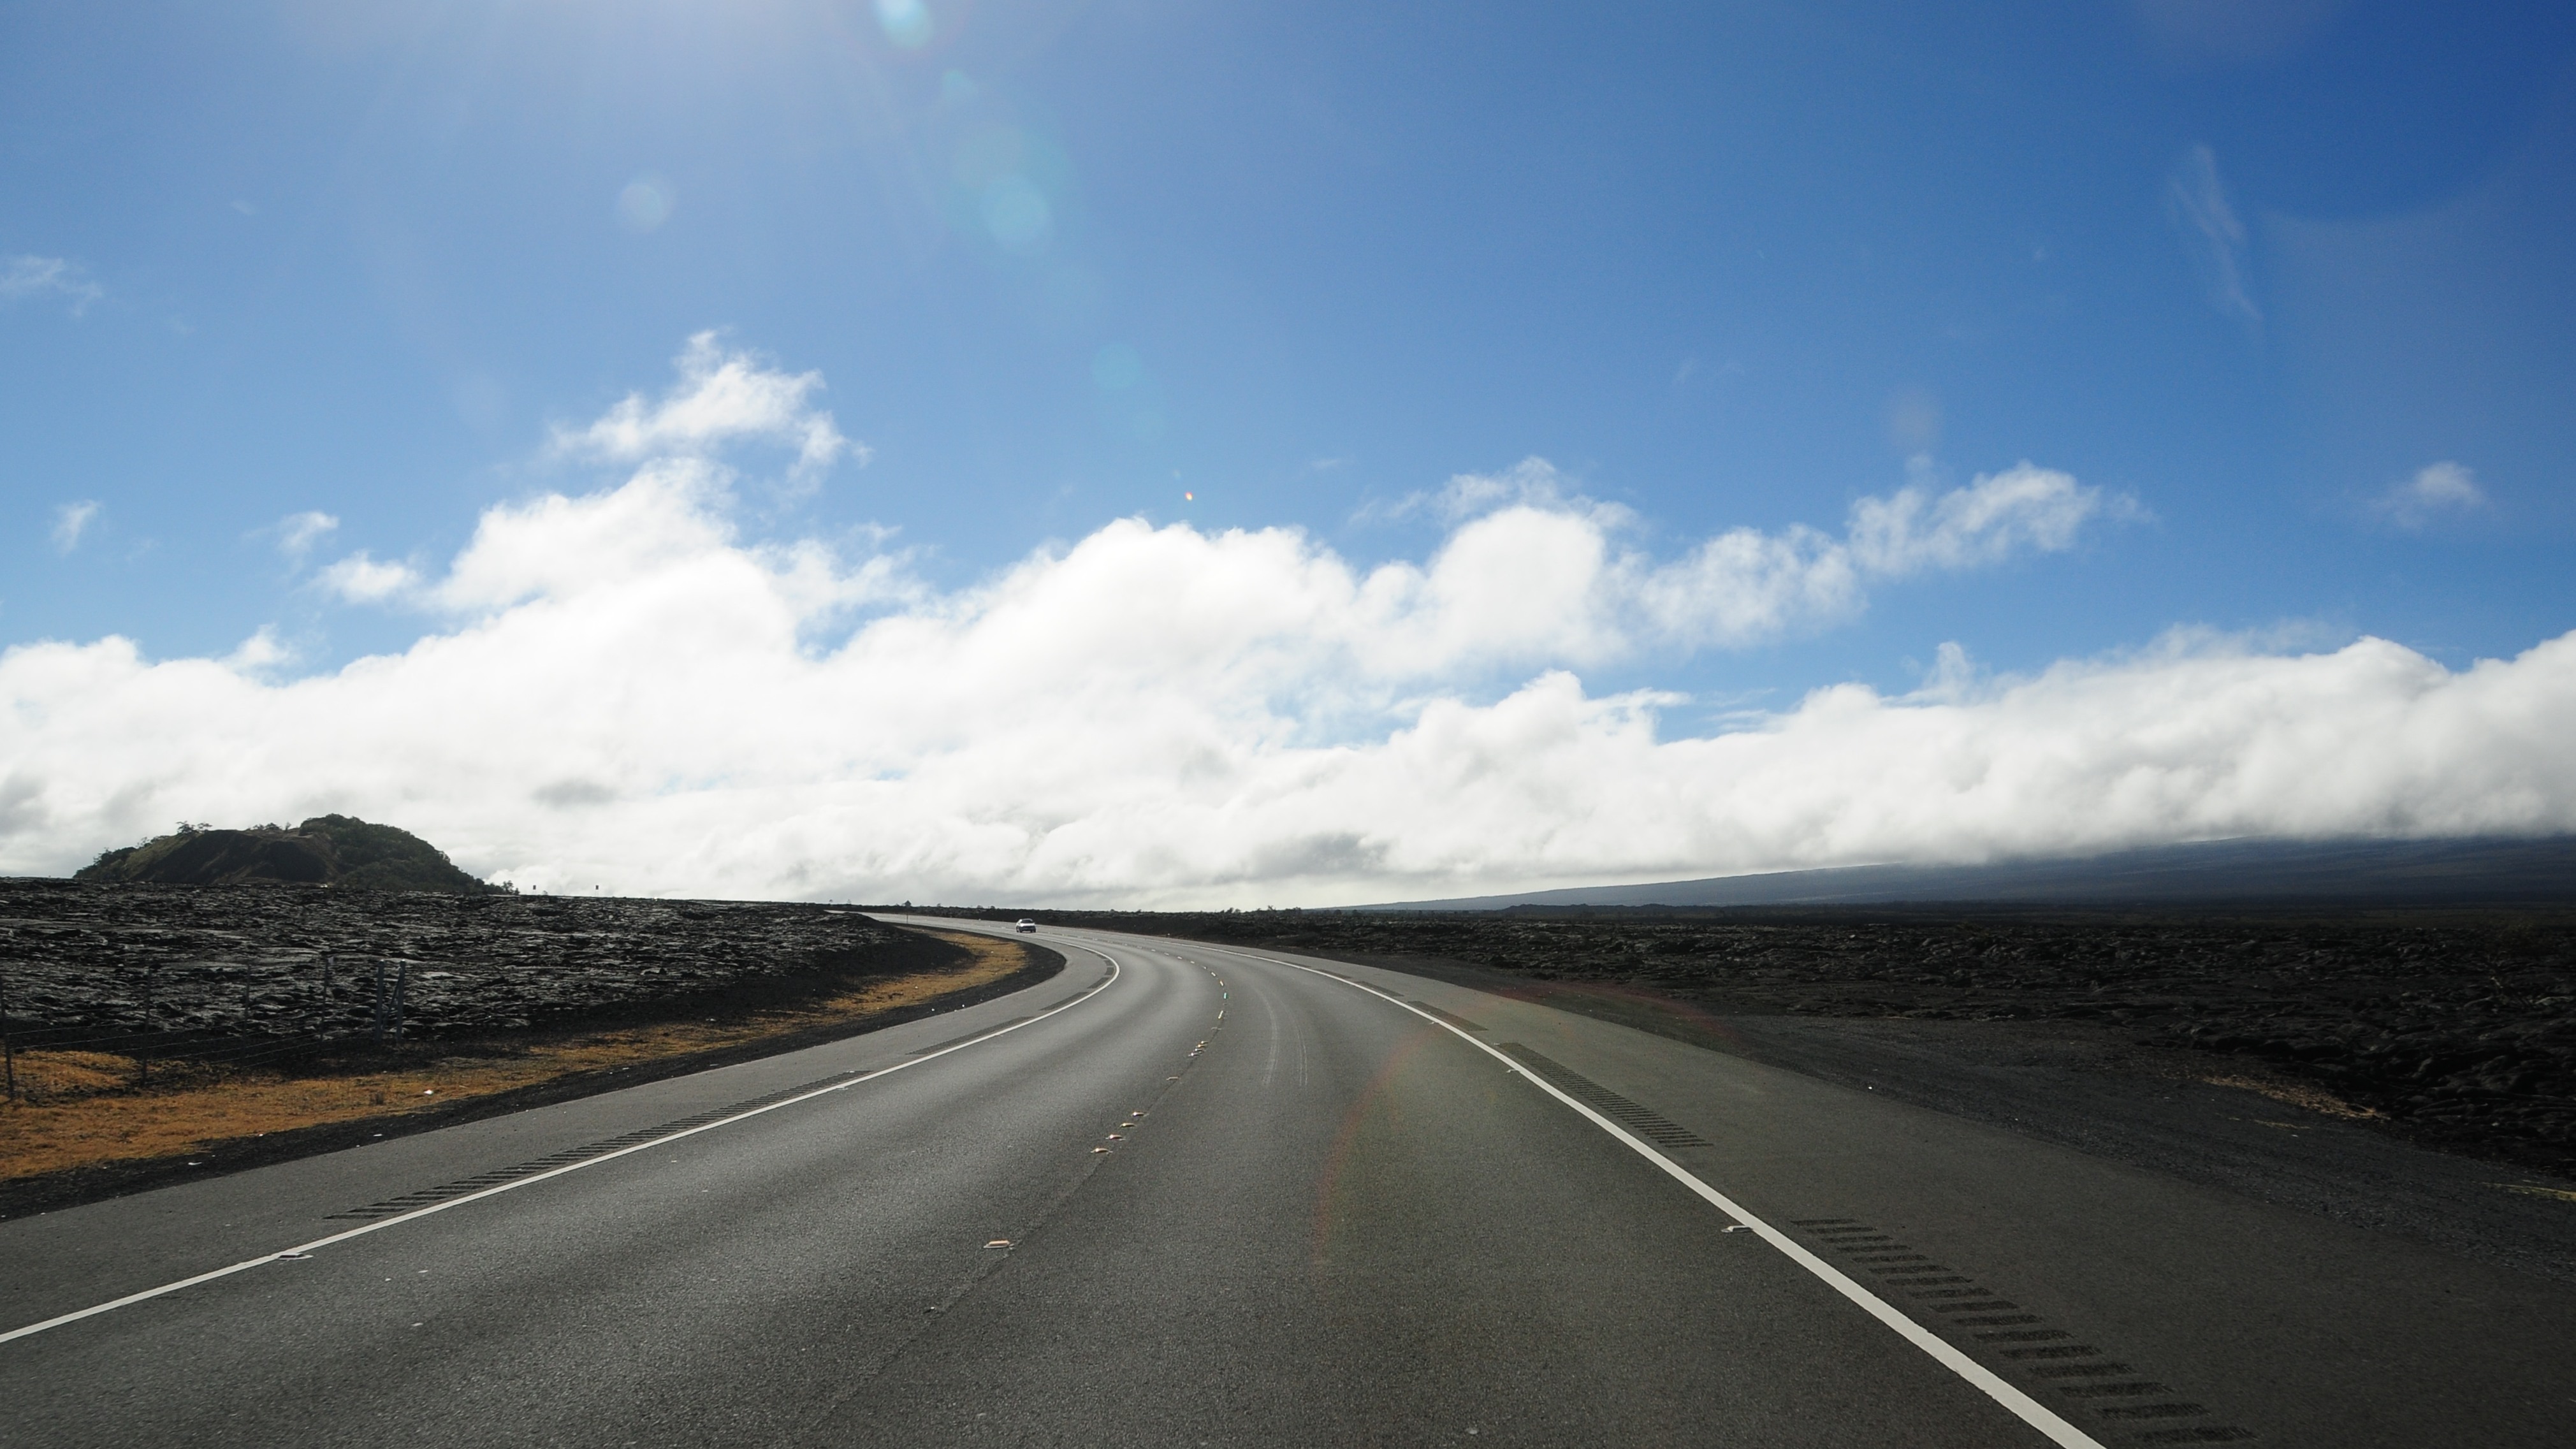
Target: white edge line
x,y
514,1184
2031,1411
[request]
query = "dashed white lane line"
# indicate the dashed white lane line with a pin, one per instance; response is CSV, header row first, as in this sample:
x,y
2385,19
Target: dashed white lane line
x,y
2029,1410
302,1250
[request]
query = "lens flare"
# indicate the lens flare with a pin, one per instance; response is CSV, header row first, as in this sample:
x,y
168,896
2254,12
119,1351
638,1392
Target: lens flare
x,y
645,204
988,153
1117,367
1017,215
906,22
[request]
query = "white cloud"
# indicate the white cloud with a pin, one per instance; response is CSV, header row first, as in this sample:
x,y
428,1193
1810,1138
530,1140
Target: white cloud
x,y
2196,201
1530,483
1164,715
1534,482
625,690
33,276
260,651
2435,490
71,522
298,532
1988,521
722,397
1745,586
363,579
1530,547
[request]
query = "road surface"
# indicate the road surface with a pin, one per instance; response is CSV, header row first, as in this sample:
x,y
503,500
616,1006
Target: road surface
x,y
1190,1195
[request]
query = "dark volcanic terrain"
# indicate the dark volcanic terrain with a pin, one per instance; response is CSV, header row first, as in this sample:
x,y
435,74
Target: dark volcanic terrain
x,y
206,1029
250,960
2456,1029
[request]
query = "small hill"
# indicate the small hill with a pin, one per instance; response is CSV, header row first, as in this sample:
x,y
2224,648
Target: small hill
x,y
333,850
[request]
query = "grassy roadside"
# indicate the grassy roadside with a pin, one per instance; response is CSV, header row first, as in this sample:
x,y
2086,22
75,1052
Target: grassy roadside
x,y
98,1135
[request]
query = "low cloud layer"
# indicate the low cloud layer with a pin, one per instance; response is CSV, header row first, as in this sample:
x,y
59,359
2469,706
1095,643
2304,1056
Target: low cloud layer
x,y
618,688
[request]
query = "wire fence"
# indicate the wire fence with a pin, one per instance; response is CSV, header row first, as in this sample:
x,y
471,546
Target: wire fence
x,y
222,1017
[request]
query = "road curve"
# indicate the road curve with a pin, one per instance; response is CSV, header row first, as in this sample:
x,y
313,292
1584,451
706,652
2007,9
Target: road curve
x,y
1196,1196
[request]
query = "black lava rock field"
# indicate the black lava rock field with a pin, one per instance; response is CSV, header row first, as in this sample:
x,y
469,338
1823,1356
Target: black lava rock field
x,y
81,960
2457,1028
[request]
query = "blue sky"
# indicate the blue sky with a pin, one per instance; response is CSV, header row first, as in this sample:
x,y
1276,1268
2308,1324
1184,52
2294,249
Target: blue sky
x,y
2247,272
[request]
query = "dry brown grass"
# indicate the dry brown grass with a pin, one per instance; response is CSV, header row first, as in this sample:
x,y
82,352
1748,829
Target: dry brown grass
x,y
2298,1094
52,1136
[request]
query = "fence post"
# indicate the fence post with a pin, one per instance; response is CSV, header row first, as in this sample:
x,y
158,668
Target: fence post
x,y
8,1042
402,980
380,1001
151,1023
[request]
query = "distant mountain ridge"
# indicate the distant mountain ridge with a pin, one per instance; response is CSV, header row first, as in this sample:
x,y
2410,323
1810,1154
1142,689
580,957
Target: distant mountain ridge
x,y
333,850
2484,871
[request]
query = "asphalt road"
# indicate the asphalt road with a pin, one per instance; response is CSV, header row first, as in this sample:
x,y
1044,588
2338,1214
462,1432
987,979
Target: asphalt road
x,y
1198,1196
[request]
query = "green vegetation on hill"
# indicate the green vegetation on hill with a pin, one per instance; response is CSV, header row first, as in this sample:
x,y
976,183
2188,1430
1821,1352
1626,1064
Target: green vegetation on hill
x,y
334,850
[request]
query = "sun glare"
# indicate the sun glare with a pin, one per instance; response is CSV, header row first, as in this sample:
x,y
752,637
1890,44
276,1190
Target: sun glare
x,y
907,22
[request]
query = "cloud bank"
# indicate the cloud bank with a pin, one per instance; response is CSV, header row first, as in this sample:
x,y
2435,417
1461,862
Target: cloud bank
x,y
619,688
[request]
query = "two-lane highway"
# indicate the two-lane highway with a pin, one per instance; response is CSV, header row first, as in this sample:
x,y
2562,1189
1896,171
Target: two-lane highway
x,y
1185,1195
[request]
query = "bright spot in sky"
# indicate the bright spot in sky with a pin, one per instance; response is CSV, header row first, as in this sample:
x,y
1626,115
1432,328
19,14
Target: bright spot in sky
x,y
1116,366
989,153
1914,420
1016,213
906,22
645,203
